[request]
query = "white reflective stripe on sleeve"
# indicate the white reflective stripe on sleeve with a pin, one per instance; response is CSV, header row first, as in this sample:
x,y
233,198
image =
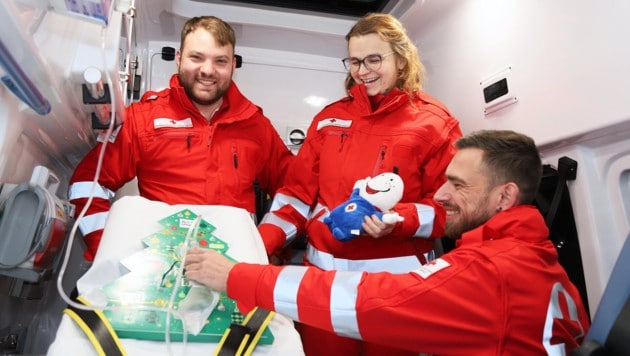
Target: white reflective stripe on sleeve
x,y
93,222
289,229
328,262
82,190
343,300
285,291
280,200
426,216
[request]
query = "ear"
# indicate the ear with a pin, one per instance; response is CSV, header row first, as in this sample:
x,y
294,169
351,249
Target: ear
x,y
400,63
178,58
508,196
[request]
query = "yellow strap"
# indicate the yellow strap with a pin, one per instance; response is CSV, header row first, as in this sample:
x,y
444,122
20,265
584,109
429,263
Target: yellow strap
x,y
239,351
258,335
249,341
83,323
86,329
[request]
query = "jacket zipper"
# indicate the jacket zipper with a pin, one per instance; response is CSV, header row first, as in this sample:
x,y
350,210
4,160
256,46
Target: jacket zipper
x,y
342,139
234,157
378,168
235,162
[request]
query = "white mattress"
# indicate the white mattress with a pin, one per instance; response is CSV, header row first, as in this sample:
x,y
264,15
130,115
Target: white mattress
x,y
132,218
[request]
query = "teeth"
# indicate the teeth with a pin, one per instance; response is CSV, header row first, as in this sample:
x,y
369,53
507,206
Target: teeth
x,y
369,80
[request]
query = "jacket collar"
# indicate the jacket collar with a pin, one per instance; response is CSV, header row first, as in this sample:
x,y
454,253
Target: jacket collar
x,y
393,100
523,222
239,107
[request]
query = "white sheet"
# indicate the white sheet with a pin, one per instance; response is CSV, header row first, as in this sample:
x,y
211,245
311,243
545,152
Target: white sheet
x,y
132,218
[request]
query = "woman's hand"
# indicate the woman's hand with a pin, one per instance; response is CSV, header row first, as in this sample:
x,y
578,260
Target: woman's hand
x,y
374,227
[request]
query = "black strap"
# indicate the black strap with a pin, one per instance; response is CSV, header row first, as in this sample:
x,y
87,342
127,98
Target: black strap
x,y
567,169
97,328
240,340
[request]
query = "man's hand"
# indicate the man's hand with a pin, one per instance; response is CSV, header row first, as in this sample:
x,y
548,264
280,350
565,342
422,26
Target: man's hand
x,y
208,267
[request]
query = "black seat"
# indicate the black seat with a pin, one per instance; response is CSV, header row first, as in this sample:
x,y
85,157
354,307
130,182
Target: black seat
x,y
610,331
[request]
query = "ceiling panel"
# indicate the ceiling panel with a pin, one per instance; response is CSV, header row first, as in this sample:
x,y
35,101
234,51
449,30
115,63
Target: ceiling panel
x,y
353,8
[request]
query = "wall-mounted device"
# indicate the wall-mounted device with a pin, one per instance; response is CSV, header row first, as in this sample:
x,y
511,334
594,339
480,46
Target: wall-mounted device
x,y
498,91
96,93
295,138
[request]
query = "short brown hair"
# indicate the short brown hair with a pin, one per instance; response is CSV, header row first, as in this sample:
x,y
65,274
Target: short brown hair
x,y
509,157
223,33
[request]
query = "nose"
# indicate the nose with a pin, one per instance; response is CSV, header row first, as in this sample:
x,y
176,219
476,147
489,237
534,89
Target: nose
x,y
207,67
442,195
363,68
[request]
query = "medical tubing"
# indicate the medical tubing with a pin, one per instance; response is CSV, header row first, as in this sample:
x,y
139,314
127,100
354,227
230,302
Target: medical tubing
x,y
192,232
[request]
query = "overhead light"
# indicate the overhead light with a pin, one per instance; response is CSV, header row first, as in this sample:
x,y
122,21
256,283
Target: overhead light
x,y
315,101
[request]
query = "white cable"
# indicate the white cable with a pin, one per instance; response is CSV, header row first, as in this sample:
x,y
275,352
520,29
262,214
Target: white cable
x,y
192,233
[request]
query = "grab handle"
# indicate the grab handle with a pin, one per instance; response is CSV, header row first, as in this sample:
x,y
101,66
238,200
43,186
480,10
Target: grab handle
x,y
17,81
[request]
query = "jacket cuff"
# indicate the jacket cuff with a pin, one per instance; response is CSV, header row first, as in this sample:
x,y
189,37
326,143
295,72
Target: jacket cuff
x,y
405,229
251,285
273,237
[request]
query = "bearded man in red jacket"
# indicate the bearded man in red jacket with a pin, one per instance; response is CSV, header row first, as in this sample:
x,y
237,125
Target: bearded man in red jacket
x,y
501,291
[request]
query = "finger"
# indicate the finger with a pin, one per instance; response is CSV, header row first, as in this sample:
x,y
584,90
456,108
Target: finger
x,y
371,228
368,225
191,257
377,222
195,250
366,228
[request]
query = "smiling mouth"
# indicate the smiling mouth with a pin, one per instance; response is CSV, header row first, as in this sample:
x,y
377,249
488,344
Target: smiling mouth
x,y
206,80
374,191
450,210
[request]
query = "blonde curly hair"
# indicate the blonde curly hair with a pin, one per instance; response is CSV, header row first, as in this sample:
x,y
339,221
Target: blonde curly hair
x,y
389,29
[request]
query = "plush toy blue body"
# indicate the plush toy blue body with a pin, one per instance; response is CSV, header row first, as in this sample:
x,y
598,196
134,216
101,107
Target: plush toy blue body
x,y
370,196
346,219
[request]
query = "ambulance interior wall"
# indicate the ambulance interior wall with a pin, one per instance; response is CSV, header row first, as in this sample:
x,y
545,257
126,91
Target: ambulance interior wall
x,y
569,72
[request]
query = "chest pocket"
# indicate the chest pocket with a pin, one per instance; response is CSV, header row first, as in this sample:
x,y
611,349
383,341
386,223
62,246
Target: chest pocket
x,y
404,157
333,155
170,143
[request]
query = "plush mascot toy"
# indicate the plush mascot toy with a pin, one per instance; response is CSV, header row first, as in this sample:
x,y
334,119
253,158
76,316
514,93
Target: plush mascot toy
x,y
369,196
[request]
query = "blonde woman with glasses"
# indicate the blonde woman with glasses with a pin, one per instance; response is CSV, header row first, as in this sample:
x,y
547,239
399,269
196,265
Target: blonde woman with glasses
x,y
386,123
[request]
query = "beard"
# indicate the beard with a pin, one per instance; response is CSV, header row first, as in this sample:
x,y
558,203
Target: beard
x,y
455,229
202,96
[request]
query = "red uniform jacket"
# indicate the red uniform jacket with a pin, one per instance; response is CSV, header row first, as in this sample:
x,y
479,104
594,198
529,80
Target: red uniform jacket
x,y
179,157
501,291
348,141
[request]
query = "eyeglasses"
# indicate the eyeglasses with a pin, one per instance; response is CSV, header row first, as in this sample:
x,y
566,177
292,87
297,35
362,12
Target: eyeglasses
x,y
371,62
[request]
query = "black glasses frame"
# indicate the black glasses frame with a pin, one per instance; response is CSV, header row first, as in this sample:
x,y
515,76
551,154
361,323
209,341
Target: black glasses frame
x,y
370,62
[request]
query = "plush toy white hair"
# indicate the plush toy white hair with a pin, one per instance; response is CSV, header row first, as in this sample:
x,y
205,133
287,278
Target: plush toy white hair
x,y
370,196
